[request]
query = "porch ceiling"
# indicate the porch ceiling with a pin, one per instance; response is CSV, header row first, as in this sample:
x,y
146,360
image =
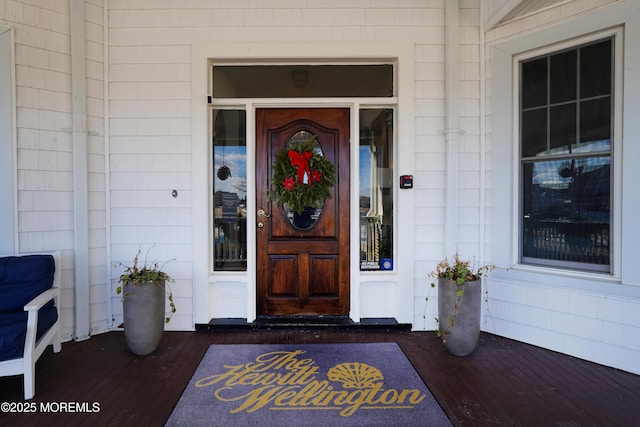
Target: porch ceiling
x,y
501,11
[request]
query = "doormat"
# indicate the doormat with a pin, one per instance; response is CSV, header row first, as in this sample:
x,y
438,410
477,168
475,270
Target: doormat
x,y
369,384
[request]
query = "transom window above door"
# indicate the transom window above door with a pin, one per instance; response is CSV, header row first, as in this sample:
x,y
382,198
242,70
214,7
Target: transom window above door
x,y
302,81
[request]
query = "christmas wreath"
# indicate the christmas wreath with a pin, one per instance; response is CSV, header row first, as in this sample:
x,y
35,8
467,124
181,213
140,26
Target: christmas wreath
x,y
302,177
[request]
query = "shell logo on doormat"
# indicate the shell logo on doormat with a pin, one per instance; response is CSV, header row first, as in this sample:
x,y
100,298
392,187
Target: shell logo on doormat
x,y
355,375
284,380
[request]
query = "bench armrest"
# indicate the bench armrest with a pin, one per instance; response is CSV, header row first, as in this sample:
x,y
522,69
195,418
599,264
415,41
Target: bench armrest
x,y
42,299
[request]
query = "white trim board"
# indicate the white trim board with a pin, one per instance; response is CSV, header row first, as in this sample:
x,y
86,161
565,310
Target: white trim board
x,y
8,190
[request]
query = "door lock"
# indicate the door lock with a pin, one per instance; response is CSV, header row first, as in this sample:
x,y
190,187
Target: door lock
x,y
262,214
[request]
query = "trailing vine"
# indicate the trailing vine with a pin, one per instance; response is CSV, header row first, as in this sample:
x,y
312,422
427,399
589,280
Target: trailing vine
x,y
147,273
458,272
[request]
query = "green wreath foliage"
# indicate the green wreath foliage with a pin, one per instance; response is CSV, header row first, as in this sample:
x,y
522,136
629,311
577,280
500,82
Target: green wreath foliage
x,y
286,188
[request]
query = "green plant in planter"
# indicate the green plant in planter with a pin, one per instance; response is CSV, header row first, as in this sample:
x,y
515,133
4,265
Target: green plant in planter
x,y
147,273
459,272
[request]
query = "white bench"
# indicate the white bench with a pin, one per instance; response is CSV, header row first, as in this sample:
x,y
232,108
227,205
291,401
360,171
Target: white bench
x,y
33,347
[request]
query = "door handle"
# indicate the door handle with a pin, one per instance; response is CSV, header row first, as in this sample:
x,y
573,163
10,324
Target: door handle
x,y
262,214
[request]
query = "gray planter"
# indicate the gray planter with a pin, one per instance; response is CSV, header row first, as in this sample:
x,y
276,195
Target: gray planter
x,y
459,316
144,316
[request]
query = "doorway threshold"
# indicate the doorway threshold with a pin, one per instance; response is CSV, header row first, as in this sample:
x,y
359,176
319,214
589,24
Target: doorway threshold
x,y
303,322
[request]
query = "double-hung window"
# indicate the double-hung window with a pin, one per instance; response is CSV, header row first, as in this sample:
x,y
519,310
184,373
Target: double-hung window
x,y
565,134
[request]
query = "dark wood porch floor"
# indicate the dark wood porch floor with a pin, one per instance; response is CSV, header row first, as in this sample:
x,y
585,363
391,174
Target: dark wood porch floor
x,y
503,382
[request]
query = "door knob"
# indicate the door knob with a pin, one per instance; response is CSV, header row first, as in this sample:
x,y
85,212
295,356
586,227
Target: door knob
x,y
263,214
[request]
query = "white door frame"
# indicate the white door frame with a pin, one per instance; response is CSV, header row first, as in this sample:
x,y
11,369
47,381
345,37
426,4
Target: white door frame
x,y
398,285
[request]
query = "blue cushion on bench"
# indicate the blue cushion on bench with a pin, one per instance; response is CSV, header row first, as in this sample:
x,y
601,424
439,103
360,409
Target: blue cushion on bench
x,y
22,278
13,330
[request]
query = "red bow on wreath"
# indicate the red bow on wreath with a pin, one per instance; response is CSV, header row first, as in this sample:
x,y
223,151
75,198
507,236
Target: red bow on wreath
x,y
301,162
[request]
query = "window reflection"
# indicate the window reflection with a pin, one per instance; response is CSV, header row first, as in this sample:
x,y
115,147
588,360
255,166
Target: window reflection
x,y
376,189
566,210
229,190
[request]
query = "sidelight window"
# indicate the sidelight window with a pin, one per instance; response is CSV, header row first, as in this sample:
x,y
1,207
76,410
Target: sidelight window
x,y
376,189
229,177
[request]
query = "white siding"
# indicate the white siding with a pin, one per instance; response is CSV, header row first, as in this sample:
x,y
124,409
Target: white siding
x,y
431,159
590,316
45,208
44,157
150,101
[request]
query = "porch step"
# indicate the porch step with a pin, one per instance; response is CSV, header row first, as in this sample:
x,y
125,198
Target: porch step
x,y
303,322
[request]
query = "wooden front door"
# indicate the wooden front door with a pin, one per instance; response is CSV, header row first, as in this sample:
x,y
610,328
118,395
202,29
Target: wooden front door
x,y
303,269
